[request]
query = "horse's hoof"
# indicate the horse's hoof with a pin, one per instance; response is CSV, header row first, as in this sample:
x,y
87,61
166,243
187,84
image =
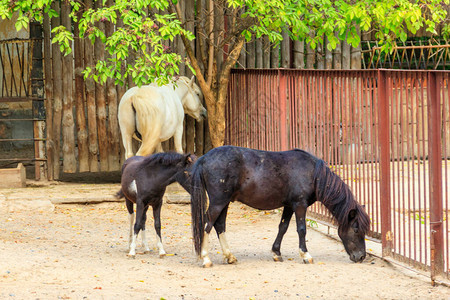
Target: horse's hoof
x,y
146,251
231,259
278,258
208,264
131,256
308,260
162,255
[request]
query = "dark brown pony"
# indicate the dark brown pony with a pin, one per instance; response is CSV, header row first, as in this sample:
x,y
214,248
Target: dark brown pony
x,y
144,181
267,180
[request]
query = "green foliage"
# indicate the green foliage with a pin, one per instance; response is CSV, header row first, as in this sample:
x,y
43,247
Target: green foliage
x,y
145,33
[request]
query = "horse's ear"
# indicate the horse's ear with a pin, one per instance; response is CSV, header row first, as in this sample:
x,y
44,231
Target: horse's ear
x,y
191,82
352,214
190,159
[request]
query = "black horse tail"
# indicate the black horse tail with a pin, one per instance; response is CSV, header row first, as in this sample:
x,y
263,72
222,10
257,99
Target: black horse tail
x,y
198,205
119,194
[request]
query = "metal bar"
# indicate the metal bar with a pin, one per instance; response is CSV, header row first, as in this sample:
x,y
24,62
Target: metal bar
x,y
435,161
282,96
385,186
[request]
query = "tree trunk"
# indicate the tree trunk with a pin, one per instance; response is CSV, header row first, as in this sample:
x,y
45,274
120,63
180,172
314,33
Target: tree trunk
x,y
356,54
82,135
69,161
310,57
90,101
113,128
50,144
57,94
99,53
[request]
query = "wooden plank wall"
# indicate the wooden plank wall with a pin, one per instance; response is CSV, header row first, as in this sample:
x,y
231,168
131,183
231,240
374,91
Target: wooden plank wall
x,y
82,128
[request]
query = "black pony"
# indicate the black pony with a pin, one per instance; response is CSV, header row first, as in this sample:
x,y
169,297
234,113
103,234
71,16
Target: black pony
x,y
144,181
267,180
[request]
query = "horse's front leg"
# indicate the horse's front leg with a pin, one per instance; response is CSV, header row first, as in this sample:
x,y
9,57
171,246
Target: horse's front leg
x,y
220,227
300,216
131,219
177,137
282,228
157,220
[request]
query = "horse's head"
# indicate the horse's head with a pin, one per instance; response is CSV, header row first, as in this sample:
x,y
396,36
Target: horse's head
x,y
353,234
192,101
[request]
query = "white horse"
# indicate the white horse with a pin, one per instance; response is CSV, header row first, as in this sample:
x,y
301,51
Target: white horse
x,y
153,114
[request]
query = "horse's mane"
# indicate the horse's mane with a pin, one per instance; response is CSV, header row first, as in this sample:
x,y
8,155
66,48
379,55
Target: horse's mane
x,y
332,191
164,158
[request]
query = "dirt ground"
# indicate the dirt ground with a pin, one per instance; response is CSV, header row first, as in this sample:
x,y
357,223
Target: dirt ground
x,y
78,251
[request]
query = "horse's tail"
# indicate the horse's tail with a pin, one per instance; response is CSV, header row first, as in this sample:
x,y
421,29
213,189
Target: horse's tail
x,y
148,117
120,194
198,205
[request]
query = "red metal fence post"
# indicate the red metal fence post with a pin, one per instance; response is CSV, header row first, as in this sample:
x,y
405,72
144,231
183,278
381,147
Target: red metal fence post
x,y
282,100
435,173
385,176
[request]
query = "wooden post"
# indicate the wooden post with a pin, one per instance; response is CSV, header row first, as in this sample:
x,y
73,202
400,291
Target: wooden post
x,y
100,98
274,57
251,53
48,97
69,161
82,134
190,122
345,55
310,57
37,90
337,56
57,95
385,183
266,52
355,54
259,53
285,50
113,124
328,56
299,54
90,102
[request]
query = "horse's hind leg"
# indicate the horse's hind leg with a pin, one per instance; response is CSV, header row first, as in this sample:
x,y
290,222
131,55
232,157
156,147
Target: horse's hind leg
x,y
140,212
213,213
282,228
157,220
300,214
220,227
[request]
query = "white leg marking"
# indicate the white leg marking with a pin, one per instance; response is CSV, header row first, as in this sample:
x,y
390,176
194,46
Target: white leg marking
x,y
204,253
226,249
131,218
162,253
307,258
132,252
144,241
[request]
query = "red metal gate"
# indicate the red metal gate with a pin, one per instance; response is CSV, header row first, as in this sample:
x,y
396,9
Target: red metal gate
x,y
384,132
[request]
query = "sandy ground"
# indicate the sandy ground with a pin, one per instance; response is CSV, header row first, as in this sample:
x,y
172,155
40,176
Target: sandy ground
x,y
78,251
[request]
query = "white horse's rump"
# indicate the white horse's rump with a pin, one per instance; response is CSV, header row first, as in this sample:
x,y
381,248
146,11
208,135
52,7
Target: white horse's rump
x,y
157,114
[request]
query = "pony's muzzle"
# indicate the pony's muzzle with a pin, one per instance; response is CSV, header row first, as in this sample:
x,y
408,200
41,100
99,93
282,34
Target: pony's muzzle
x,y
203,114
358,257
